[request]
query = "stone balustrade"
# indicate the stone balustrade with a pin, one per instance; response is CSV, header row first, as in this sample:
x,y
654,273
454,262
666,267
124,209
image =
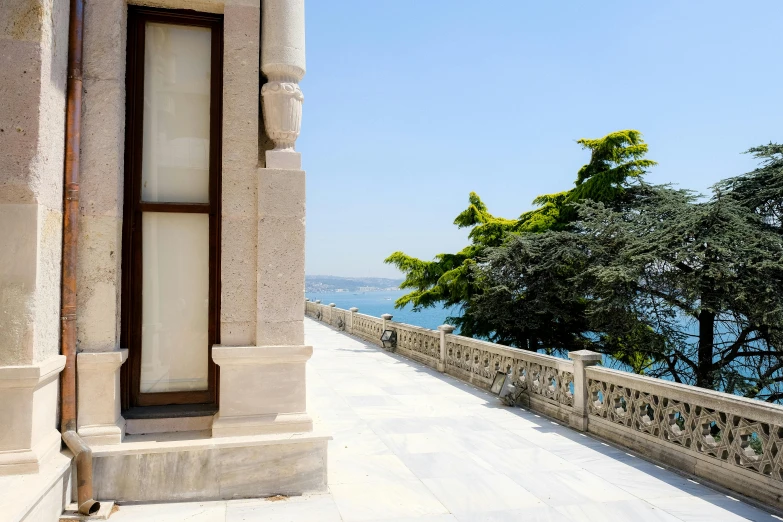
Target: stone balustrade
x,y
733,442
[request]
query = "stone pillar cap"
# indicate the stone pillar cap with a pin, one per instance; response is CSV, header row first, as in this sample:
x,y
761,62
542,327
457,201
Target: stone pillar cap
x,y
332,304
387,316
354,309
446,328
586,356
317,301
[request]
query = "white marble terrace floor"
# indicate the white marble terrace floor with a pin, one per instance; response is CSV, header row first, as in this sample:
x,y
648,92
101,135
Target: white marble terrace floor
x,y
412,444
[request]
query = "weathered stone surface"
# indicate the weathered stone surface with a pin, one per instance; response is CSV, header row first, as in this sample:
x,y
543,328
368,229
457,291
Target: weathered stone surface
x,y
283,38
98,382
28,407
262,390
280,333
105,21
17,292
281,244
98,279
37,497
210,469
33,52
238,270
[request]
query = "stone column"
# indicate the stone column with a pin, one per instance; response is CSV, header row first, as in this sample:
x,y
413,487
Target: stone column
x,y
331,312
386,318
34,50
283,63
444,329
262,387
353,311
99,245
582,359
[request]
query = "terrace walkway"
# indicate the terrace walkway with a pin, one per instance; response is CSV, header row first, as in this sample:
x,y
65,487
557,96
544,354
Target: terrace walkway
x,y
413,444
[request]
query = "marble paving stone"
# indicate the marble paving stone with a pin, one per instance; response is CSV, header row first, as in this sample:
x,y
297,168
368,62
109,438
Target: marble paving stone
x,y
482,493
647,481
268,470
534,514
631,510
491,442
425,518
529,460
709,508
560,488
308,508
369,468
385,499
373,401
402,389
422,443
445,464
142,477
359,444
173,512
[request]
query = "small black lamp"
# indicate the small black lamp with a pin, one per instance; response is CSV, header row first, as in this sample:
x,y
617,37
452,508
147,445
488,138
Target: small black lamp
x,y
389,339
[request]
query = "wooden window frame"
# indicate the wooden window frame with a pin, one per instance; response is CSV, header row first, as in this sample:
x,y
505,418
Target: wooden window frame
x,y
131,318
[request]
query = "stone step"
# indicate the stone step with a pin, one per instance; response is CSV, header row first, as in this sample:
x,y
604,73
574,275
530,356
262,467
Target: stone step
x,y
179,466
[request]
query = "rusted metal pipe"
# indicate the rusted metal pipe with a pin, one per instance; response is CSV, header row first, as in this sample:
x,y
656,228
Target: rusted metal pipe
x,y
83,456
73,118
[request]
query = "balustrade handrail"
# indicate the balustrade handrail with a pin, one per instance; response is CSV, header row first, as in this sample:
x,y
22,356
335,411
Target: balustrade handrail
x,y
762,411
501,349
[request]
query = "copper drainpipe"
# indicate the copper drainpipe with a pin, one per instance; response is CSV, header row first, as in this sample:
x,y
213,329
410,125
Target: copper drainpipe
x,y
73,115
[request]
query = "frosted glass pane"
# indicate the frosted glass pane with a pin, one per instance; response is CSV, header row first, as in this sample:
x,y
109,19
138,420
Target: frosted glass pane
x,y
175,155
175,302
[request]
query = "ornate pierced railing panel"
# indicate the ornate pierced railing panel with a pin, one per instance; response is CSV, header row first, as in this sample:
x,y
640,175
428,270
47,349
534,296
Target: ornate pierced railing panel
x,y
733,431
540,376
368,327
417,343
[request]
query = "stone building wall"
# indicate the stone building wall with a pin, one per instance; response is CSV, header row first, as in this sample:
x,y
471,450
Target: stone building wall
x,y
34,53
102,175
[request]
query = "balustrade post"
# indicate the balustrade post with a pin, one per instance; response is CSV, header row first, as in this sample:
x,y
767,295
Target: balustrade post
x,y
331,307
353,311
582,359
444,329
386,318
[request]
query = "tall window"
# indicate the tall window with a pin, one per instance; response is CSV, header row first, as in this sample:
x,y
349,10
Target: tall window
x,y
172,219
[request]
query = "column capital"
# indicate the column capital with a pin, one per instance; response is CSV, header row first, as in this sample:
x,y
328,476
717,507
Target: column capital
x,y
387,317
446,328
353,310
587,357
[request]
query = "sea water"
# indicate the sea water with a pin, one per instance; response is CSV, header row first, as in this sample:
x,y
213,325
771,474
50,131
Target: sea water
x,y
382,302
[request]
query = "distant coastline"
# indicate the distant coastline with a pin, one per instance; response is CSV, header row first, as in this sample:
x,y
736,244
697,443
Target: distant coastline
x,y
335,284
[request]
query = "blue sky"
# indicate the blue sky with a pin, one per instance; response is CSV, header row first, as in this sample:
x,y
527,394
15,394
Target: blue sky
x,y
412,104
